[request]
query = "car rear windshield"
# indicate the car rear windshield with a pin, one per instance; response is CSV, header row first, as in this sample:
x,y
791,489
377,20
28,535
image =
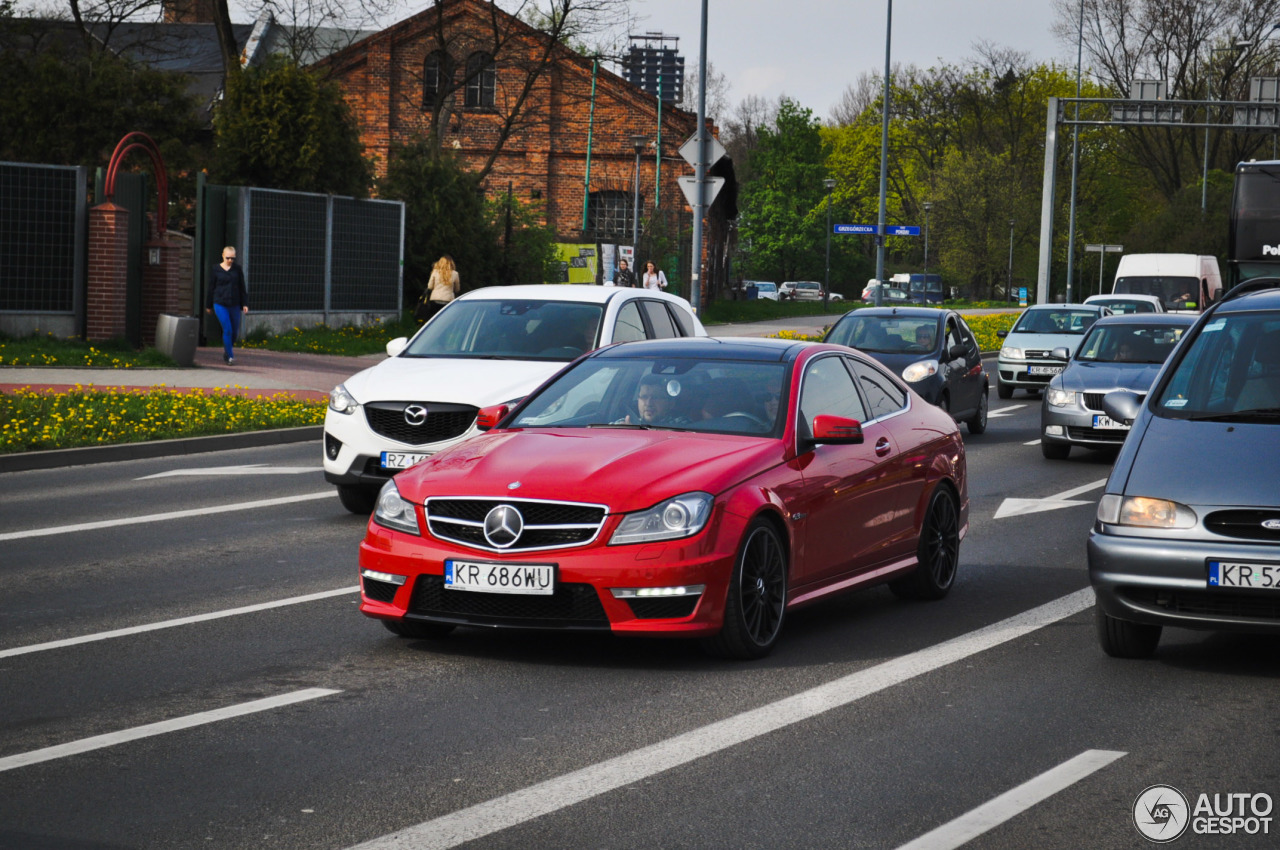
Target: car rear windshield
x,y
886,334
1129,343
1121,306
1052,321
720,396
1231,372
510,329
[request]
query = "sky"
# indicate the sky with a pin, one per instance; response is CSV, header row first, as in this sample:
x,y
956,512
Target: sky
x,y
810,50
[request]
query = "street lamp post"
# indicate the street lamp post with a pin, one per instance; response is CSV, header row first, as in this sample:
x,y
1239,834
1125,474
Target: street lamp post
x,y
1009,285
829,184
928,205
638,142
884,155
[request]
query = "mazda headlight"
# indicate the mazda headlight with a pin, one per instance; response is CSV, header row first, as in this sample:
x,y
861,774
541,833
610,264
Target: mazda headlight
x,y
341,401
1011,353
393,511
1144,512
919,371
682,516
1060,398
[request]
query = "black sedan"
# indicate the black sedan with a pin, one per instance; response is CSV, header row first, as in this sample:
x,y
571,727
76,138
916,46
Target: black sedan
x,y
933,350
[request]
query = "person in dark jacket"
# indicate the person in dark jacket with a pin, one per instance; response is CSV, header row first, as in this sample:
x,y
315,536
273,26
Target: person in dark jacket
x,y
229,300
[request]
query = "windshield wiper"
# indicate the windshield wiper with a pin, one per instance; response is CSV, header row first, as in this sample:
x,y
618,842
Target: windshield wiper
x,y
1262,413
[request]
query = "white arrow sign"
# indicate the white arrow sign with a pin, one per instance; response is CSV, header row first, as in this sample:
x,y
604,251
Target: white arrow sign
x,y
1022,507
255,469
1004,411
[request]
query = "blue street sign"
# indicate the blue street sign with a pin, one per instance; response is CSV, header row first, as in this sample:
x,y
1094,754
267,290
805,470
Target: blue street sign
x,y
889,229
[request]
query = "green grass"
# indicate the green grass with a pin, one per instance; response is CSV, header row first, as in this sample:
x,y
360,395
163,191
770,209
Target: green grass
x,y
348,340
40,349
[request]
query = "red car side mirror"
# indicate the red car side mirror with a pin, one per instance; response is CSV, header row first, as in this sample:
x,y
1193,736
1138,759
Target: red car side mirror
x,y
836,430
489,417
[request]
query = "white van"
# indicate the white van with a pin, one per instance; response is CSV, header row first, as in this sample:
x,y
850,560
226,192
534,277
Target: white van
x,y
1184,283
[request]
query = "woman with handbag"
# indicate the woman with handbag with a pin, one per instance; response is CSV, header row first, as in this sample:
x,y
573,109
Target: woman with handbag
x,y
441,289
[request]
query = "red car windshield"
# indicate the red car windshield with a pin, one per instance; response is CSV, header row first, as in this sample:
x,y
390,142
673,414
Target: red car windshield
x,y
721,396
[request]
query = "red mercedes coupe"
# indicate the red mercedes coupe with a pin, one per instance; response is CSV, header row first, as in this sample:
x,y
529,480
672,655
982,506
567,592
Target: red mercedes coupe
x,y
685,488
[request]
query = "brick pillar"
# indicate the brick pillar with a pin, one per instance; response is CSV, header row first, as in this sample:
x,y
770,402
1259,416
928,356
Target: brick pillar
x,y
160,285
108,271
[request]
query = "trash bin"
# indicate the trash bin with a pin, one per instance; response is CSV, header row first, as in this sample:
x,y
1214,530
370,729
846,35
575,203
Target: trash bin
x,y
176,336
752,292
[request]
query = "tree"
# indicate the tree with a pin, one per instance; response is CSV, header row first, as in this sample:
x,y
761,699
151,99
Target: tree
x,y
491,242
779,209
284,127
717,93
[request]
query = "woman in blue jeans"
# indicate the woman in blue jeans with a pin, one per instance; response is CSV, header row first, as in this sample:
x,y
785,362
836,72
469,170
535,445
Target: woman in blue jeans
x,y
230,300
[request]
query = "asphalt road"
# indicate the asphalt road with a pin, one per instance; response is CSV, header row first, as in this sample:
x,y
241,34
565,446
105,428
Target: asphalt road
x,y
182,665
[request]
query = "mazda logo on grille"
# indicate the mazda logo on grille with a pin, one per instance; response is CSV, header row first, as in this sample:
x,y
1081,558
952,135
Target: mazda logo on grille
x,y
415,415
502,526
1271,524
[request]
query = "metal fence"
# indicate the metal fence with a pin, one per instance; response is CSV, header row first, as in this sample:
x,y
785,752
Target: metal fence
x,y
43,222
306,255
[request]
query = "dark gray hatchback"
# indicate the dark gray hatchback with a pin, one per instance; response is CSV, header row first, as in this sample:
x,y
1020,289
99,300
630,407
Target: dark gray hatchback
x,y
1188,531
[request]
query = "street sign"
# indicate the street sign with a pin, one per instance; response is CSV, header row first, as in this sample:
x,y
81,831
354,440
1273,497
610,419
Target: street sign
x,y
689,150
1110,249
689,185
889,229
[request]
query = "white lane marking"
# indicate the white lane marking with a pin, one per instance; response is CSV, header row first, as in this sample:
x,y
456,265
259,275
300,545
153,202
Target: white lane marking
x,y
251,469
520,806
1034,442
1004,411
177,724
138,520
1022,507
1015,801
182,621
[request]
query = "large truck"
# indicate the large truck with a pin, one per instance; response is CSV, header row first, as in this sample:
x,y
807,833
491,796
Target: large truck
x,y
1184,283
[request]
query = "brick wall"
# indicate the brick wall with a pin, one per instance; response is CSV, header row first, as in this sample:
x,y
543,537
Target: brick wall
x,y
545,157
108,269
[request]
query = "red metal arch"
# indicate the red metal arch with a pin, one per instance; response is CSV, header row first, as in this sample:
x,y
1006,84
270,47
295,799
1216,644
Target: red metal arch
x,y
145,142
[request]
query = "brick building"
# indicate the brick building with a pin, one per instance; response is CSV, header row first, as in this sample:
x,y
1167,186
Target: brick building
x,y
529,114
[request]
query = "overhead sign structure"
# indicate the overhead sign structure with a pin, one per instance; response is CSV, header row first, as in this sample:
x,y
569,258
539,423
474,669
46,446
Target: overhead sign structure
x,y
889,229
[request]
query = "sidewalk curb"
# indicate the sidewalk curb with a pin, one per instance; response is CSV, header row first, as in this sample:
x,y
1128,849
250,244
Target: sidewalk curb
x,y
58,458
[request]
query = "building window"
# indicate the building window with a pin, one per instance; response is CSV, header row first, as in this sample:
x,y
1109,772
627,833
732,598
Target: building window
x,y
481,78
435,76
609,214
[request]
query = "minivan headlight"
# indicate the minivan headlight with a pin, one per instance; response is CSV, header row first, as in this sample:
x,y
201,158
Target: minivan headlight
x,y
919,371
1144,512
681,516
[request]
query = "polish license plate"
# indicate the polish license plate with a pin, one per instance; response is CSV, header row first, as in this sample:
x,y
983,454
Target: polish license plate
x,y
401,460
1107,423
528,579
1044,370
1244,574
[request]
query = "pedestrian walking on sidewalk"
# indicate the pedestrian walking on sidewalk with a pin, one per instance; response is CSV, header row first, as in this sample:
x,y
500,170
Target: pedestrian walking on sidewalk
x,y
653,277
442,287
229,300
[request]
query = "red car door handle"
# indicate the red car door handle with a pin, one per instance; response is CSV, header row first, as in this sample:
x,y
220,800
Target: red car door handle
x,y
882,447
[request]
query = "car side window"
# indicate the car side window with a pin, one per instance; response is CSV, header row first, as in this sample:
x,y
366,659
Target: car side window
x,y
953,336
630,327
883,395
683,320
966,334
659,320
828,390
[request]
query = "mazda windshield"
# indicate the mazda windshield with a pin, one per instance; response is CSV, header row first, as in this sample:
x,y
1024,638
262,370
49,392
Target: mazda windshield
x,y
510,330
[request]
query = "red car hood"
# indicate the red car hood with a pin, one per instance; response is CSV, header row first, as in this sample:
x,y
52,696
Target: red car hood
x,y
626,470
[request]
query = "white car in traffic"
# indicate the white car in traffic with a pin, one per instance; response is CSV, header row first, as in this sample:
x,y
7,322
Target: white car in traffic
x,y
490,346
